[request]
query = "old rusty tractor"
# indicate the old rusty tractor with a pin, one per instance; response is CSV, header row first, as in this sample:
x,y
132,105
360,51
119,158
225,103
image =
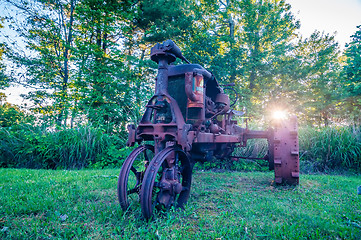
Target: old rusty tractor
x,y
189,119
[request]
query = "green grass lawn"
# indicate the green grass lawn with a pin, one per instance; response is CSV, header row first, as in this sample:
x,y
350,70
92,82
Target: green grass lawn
x,y
47,204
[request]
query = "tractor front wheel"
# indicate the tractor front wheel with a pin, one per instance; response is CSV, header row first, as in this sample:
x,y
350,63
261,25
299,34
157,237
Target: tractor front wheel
x,y
167,181
131,175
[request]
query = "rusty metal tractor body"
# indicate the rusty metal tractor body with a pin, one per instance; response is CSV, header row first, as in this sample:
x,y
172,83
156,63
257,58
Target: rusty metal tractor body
x,y
189,119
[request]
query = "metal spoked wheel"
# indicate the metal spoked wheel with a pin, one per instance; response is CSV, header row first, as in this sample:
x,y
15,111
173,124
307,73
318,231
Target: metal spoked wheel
x,y
284,149
131,175
167,181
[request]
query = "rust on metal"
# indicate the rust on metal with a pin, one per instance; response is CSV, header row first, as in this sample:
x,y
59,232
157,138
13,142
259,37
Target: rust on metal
x,y
189,119
286,152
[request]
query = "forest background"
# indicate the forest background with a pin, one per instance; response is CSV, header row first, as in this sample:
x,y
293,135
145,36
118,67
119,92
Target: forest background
x,y
87,67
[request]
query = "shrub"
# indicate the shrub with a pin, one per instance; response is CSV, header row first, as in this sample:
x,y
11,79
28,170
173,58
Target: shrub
x,y
11,115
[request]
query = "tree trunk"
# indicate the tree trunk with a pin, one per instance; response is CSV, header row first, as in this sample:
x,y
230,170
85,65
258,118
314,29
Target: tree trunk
x,y
252,78
254,62
64,91
231,25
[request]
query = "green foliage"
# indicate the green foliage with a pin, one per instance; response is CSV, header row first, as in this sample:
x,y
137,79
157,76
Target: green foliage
x,y
43,204
90,63
36,147
330,148
350,76
78,63
49,39
92,58
353,63
22,145
246,43
11,115
4,79
112,158
163,19
101,81
318,79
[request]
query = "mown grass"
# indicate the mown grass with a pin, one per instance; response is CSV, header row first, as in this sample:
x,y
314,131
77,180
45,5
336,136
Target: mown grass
x,y
49,204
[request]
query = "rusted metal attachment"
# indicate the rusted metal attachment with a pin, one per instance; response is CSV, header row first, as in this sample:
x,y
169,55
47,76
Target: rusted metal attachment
x,y
189,119
285,151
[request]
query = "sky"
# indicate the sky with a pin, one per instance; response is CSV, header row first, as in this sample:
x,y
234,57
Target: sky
x,y
340,16
331,16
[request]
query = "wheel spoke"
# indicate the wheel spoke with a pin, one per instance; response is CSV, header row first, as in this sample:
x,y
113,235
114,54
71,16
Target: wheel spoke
x,y
134,190
134,170
146,156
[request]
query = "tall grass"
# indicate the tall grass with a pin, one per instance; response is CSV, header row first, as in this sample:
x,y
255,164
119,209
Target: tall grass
x,y
321,149
73,148
35,147
330,148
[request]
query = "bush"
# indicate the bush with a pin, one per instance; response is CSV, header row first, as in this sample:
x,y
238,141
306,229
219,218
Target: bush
x,y
11,115
18,147
112,158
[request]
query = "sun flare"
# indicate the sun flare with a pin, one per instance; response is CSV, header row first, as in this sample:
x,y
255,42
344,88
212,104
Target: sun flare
x,y
279,114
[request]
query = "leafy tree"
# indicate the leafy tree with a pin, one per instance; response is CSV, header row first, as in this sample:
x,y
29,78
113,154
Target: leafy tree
x,y
150,22
352,75
163,19
82,59
268,30
353,63
108,83
319,67
4,80
96,85
75,59
244,42
91,57
49,37
214,38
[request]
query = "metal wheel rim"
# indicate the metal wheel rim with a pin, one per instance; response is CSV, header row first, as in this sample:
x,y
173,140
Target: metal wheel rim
x,y
147,191
122,188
